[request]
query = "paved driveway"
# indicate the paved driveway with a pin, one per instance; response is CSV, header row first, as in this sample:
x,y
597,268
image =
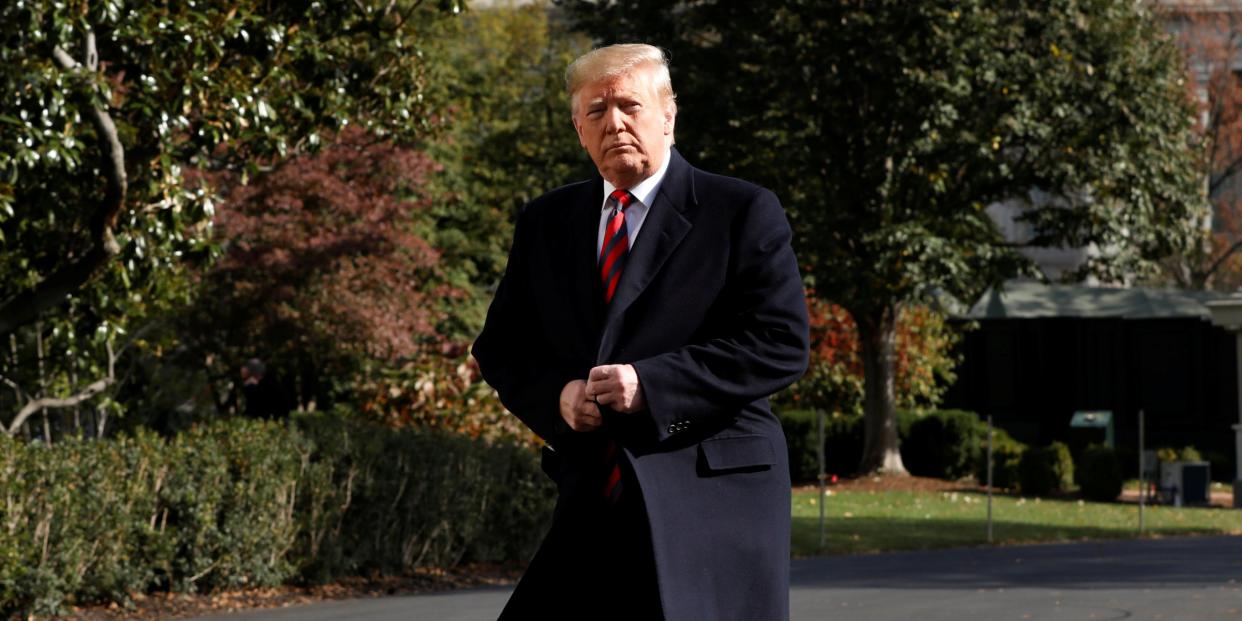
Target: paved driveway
x,y
1191,579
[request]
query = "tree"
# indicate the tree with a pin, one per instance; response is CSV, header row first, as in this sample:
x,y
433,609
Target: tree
x,y
1211,41
320,267
888,127
381,317
508,138
107,103
834,380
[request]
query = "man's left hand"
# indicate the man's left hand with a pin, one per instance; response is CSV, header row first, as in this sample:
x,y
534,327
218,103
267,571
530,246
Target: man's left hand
x,y
616,386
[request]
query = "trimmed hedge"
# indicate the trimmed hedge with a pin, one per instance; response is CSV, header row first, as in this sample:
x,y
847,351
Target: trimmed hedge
x,y
938,443
253,503
1006,456
1098,473
943,444
800,434
1045,470
843,443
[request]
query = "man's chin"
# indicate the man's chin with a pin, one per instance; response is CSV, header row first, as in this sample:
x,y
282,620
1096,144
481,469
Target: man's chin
x,y
629,169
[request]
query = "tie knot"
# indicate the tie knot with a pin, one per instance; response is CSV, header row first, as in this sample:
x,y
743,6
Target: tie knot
x,y
622,197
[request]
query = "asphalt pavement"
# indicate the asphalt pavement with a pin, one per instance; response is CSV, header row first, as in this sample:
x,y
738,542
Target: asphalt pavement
x,y
1182,579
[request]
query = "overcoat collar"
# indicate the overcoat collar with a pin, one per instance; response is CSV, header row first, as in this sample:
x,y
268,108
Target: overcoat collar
x,y
666,225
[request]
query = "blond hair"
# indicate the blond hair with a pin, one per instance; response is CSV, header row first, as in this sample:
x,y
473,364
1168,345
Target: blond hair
x,y
617,60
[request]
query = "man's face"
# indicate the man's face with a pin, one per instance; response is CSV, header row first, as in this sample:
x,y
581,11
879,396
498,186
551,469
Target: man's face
x,y
625,125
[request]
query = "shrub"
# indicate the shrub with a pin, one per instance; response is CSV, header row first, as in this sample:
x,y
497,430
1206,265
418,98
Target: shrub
x,y
385,500
230,496
1006,457
245,502
1098,473
75,514
939,443
1187,453
800,436
1045,470
942,443
843,443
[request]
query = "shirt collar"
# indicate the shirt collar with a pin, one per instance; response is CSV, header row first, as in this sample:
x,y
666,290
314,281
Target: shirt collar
x,y
646,190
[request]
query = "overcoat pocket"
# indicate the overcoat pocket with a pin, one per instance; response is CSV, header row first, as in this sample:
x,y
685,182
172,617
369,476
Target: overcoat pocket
x,y
726,454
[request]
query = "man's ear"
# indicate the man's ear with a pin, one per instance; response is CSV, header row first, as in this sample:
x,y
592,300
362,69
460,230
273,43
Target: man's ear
x,y
670,118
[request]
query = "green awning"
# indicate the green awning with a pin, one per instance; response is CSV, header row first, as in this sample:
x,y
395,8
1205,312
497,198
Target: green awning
x,y
1025,299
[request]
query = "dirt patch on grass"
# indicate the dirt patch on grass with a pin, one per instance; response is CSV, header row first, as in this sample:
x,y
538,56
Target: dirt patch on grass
x,y
891,483
168,606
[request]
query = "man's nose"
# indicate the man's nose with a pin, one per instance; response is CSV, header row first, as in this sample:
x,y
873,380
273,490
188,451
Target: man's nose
x,y
614,119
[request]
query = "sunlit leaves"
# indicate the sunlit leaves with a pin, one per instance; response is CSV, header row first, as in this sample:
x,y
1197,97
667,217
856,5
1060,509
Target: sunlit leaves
x,y
834,380
885,124
190,85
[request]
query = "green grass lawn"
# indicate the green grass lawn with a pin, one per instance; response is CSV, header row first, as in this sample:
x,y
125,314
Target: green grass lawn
x,y
863,522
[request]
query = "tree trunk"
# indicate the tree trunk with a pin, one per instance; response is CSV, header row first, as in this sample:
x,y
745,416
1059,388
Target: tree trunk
x,y
52,290
877,334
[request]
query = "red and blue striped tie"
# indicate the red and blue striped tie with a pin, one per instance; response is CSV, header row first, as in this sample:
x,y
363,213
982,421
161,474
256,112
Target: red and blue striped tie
x,y
616,243
611,263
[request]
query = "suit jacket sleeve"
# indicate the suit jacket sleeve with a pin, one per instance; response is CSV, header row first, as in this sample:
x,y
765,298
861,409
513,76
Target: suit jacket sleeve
x,y
758,340
510,358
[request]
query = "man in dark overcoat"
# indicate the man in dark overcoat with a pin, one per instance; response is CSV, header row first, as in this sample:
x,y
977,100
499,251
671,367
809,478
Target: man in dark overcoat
x,y
643,320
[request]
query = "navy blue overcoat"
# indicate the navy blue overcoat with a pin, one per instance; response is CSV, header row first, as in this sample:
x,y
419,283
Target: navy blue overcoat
x,y
710,311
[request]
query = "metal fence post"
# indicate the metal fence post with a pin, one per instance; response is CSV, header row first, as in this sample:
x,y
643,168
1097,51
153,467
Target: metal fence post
x,y
990,478
1142,473
823,476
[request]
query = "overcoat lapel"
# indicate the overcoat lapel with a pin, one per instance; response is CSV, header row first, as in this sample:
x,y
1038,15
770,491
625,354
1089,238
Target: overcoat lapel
x,y
584,231
666,225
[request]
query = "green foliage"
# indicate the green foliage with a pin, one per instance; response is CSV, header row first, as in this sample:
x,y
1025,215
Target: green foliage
x,y
943,444
1098,473
1045,470
1006,458
509,137
801,433
834,380
888,127
842,443
231,504
246,503
937,443
388,501
908,119
111,106
1186,453
367,288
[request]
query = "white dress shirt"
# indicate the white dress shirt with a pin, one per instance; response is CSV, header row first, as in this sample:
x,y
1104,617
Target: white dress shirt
x,y
636,213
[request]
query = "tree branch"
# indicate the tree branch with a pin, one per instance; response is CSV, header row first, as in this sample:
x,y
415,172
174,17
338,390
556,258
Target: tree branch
x,y
1224,175
27,305
37,405
91,390
1205,274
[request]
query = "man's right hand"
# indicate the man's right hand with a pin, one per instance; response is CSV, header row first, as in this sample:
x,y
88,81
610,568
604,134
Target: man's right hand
x,y
578,410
